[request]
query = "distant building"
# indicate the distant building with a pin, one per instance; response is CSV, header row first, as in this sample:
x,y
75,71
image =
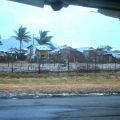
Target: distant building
x,y
2,54
65,53
88,53
104,54
86,50
40,52
116,56
100,55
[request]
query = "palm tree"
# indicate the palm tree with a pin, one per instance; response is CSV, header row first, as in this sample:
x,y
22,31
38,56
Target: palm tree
x,y
22,35
0,40
44,39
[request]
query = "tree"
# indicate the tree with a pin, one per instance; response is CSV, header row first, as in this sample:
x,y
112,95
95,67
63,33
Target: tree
x,y
22,35
44,39
0,40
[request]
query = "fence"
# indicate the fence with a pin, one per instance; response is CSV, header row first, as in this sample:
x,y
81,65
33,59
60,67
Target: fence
x,y
59,67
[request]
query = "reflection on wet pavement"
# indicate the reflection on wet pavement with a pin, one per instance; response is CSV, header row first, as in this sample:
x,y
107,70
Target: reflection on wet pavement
x,y
61,108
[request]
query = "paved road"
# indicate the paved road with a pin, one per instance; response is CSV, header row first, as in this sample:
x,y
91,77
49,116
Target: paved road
x,y
62,108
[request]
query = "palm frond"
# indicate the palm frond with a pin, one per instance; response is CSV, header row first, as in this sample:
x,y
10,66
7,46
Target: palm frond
x,y
43,38
1,43
22,34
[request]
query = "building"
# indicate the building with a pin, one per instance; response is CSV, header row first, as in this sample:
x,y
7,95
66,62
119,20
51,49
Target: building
x,y
65,53
116,56
39,52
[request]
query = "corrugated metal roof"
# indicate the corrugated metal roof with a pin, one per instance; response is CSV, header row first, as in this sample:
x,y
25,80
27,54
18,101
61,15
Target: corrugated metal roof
x,y
43,47
116,54
82,49
58,49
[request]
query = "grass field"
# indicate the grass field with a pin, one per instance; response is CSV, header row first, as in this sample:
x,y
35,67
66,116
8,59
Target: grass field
x,y
60,82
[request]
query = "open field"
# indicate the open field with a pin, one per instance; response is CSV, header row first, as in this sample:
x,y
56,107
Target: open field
x,y
60,82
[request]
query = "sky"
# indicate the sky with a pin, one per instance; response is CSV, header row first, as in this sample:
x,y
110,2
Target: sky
x,y
74,26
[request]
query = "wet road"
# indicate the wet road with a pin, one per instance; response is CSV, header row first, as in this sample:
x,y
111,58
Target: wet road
x,y
62,108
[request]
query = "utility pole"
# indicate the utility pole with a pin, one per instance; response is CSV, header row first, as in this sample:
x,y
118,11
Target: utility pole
x,y
33,39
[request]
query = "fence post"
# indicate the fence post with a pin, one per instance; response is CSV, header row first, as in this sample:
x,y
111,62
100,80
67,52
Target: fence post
x,y
115,66
12,62
68,64
39,67
95,61
12,67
